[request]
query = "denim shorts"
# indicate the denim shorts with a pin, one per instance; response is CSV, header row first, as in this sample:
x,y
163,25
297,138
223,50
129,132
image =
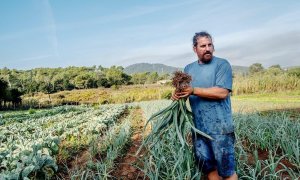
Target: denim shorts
x,y
215,154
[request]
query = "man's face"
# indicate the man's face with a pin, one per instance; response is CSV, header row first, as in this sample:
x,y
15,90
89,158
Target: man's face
x,y
204,49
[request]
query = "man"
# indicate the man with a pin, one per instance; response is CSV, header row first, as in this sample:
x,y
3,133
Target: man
x,y
209,97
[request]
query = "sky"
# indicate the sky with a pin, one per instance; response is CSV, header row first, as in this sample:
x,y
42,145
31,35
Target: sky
x,y
61,33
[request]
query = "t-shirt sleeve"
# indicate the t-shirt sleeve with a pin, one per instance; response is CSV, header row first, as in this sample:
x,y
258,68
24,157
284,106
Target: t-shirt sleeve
x,y
185,70
224,76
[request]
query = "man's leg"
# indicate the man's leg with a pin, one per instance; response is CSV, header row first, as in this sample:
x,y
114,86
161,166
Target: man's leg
x,y
214,175
204,156
232,177
223,147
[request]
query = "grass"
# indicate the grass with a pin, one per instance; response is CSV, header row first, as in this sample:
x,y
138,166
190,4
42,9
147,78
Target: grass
x,y
284,97
265,83
266,102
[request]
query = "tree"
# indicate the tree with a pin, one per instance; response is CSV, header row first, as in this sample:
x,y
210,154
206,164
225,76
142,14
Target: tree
x,y
67,85
3,91
115,76
9,95
139,78
294,72
58,83
152,78
47,88
275,70
15,97
277,66
255,68
164,76
126,79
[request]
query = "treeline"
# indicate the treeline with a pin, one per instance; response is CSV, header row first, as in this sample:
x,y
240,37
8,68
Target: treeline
x,y
14,83
50,80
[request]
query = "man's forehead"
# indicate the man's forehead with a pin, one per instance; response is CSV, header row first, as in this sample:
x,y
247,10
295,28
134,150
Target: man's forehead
x,y
204,40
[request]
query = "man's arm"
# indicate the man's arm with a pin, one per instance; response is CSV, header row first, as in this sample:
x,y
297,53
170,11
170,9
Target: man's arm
x,y
221,89
211,93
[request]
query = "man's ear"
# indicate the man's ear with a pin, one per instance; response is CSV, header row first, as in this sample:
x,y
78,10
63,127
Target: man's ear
x,y
194,49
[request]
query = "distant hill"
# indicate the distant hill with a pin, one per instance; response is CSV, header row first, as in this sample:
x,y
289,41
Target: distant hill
x,y
240,69
147,67
162,69
291,67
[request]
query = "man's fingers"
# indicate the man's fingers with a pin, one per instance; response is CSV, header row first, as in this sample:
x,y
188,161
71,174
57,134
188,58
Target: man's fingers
x,y
183,95
174,97
180,93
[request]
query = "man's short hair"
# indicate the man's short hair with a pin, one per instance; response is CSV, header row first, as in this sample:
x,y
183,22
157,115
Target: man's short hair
x,y
200,34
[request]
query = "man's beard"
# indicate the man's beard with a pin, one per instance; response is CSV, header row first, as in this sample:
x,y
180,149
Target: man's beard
x,y
207,57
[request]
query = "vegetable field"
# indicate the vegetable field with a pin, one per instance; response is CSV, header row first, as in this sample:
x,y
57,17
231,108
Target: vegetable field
x,y
101,142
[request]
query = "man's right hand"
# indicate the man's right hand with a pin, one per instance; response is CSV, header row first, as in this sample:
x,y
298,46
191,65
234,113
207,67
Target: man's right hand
x,y
175,97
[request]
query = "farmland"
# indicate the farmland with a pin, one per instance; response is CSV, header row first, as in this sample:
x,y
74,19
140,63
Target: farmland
x,y
70,109
90,142
97,135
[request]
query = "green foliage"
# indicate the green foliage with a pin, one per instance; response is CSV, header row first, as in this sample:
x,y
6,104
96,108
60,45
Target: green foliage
x,y
14,83
31,111
3,88
164,76
139,78
115,76
50,80
152,78
166,94
273,132
277,66
276,132
272,80
256,68
148,78
115,87
294,72
51,136
9,97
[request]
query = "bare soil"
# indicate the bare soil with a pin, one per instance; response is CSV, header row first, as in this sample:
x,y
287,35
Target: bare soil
x,y
282,165
128,165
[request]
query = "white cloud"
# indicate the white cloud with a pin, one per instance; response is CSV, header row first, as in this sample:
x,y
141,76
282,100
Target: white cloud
x,y
276,42
50,21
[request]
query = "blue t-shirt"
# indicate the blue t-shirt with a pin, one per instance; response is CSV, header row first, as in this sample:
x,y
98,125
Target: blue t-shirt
x,y
211,116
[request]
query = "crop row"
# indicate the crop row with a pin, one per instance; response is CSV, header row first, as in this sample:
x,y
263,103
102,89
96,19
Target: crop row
x,y
22,143
276,134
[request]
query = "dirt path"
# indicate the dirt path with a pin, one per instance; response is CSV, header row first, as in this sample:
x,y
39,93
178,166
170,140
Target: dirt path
x,y
126,166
